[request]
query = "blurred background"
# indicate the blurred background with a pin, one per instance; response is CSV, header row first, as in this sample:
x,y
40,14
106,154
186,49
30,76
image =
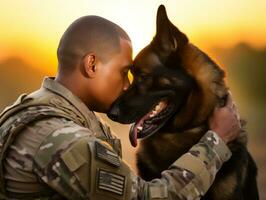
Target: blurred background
x,y
233,33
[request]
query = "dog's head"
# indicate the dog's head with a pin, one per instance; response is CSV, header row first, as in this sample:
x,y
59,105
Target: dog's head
x,y
165,88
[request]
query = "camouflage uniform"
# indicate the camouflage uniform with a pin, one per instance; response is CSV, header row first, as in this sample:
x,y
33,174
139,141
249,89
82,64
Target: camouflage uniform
x,y
53,147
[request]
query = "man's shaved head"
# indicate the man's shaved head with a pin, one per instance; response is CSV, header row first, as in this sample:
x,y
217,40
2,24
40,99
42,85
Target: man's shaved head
x,y
89,34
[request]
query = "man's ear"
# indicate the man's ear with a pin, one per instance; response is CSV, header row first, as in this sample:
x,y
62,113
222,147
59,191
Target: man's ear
x,y
168,37
89,65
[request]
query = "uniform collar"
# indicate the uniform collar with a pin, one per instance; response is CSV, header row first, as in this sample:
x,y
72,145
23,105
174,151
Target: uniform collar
x,y
50,84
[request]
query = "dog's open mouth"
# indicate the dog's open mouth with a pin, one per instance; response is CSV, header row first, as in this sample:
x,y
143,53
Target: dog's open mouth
x,y
151,122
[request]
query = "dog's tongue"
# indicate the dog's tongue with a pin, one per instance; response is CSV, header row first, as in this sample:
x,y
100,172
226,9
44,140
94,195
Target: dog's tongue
x,y
133,133
133,136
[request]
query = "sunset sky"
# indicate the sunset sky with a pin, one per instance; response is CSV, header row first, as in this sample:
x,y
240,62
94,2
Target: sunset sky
x,y
31,29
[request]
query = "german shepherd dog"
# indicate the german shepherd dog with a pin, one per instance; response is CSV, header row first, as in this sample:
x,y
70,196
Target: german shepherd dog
x,y
176,87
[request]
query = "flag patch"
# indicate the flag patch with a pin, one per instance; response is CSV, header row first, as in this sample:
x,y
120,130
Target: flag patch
x,y
111,182
107,155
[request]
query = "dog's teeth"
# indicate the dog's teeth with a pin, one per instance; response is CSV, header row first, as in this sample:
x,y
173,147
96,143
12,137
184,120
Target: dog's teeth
x,y
151,115
139,128
157,107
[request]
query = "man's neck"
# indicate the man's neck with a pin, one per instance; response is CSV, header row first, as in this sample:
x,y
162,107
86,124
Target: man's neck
x,y
74,84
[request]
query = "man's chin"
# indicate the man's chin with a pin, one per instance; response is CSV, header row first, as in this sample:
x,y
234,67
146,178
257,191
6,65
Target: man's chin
x,y
102,108
99,108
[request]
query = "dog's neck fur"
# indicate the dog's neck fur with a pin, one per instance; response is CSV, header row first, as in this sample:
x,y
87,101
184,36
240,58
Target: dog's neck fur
x,y
210,92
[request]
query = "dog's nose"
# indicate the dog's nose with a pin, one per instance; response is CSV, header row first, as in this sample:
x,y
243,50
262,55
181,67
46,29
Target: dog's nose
x,y
113,113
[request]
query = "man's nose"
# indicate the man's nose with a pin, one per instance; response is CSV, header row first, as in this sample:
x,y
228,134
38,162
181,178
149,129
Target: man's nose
x,y
126,85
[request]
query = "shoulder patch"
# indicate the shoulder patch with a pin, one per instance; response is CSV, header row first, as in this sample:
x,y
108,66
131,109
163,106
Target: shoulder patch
x,y
106,154
111,182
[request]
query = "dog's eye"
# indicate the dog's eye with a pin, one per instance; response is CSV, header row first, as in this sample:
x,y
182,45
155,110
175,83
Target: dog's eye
x,y
143,75
144,78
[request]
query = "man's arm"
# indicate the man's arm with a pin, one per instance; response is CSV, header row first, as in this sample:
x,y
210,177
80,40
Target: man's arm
x,y
191,175
79,166
79,172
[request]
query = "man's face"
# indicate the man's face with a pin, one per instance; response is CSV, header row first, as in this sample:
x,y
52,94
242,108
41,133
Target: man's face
x,y
112,77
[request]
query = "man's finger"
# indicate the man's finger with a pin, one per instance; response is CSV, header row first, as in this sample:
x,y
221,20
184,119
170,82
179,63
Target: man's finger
x,y
238,117
234,106
229,100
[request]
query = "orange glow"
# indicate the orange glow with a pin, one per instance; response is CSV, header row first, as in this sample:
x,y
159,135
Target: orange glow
x,y
31,29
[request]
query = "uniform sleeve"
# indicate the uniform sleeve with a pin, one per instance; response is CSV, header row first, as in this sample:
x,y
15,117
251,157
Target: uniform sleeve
x,y
88,168
60,157
191,175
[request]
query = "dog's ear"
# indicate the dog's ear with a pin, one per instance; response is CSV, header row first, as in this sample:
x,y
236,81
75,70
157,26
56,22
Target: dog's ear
x,y
168,37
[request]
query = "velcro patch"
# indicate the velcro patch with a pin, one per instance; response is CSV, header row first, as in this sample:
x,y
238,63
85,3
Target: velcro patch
x,y
105,154
158,191
111,182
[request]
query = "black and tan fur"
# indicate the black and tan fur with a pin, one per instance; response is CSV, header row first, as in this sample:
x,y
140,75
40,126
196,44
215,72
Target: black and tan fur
x,y
170,65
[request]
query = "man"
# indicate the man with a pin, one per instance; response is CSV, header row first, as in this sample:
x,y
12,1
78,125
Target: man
x,y
54,147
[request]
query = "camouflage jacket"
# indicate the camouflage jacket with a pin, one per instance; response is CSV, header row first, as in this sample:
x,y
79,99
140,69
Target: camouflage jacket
x,y
71,154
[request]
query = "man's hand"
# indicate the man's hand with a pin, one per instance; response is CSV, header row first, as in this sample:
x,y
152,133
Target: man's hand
x,y
225,121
